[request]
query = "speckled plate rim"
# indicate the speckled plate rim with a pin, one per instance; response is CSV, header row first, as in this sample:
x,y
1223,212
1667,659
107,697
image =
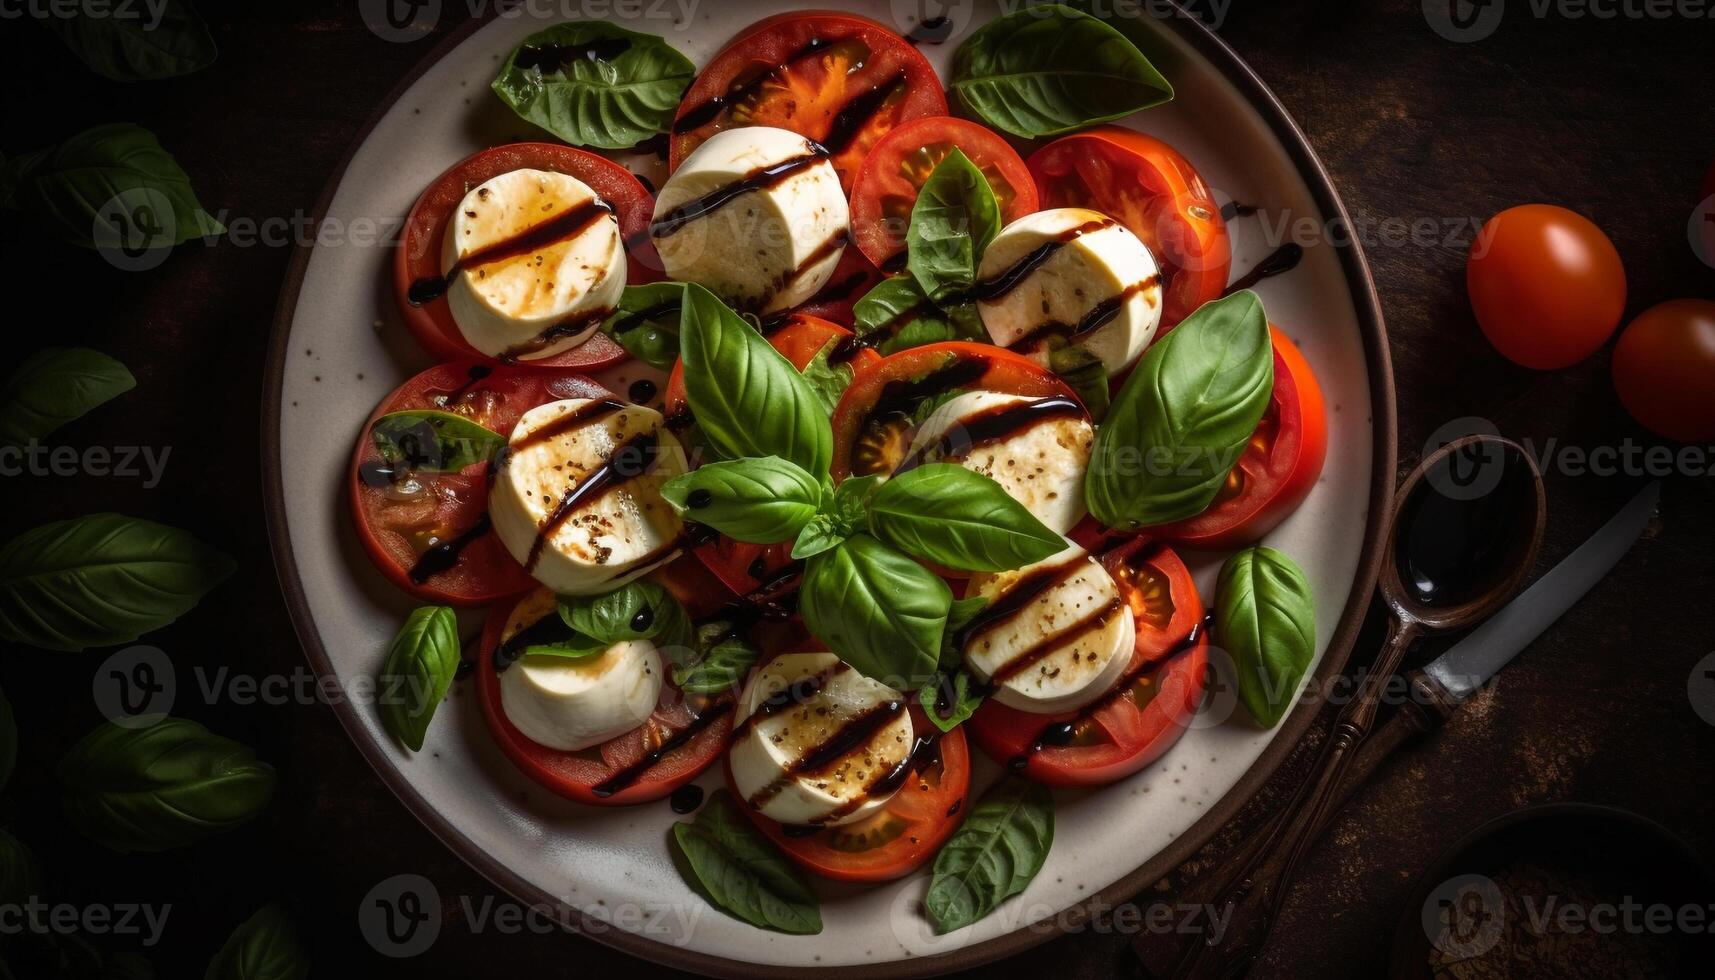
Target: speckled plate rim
x,y
1367,306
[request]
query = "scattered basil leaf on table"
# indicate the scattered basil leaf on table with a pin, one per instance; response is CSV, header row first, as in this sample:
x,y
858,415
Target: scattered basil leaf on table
x,y
70,187
748,399
881,612
827,379
164,786
1086,375
418,671
55,386
8,741
742,874
101,580
20,872
159,39
723,661
594,84
954,220
1265,618
993,855
265,946
954,517
646,323
434,442
1183,418
1048,70
757,500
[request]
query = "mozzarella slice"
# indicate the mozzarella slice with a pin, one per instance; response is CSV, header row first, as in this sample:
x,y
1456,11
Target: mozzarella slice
x,y
1057,634
1037,449
577,497
755,214
577,704
1097,286
821,744
534,261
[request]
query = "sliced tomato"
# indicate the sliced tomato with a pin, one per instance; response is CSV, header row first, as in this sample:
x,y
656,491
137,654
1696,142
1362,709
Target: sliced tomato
x,y
887,183
1279,467
418,256
873,423
1150,706
685,733
1153,190
900,837
842,80
403,516
853,277
745,568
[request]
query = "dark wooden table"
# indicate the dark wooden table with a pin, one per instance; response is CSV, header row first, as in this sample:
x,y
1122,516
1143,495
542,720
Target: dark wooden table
x,y
1609,116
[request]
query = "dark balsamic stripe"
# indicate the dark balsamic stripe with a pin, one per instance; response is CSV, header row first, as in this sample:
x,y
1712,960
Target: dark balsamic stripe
x,y
1099,316
758,179
1014,275
605,477
632,773
566,225
1023,661
993,425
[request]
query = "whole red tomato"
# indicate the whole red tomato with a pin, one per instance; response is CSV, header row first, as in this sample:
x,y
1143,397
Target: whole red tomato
x,y
1664,369
1547,285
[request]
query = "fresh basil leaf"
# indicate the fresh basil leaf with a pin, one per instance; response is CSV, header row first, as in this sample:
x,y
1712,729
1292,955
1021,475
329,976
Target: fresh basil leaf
x,y
850,505
823,532
954,517
20,872
430,441
898,308
929,406
741,874
723,660
1183,418
1086,375
880,611
639,610
646,323
101,580
117,172
160,787
959,616
747,398
417,673
953,221
55,386
828,380
1049,70
993,855
575,646
759,500
265,946
8,741
1265,618
594,84
136,42
950,699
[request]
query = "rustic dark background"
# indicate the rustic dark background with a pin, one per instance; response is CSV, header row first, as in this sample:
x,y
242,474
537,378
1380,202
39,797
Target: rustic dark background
x,y
1609,116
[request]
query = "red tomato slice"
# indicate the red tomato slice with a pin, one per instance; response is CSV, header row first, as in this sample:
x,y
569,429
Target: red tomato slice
x,y
841,80
1150,706
418,256
677,742
899,838
1278,469
872,424
1155,192
888,182
400,521
853,277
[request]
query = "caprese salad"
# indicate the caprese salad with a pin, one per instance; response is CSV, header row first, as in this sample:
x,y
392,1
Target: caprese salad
x,y
930,418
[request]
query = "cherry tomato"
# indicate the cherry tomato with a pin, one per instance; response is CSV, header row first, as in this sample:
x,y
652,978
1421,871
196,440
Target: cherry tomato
x,y
418,256
872,423
841,80
1279,467
404,515
895,170
1664,369
1147,711
695,728
1546,284
1153,190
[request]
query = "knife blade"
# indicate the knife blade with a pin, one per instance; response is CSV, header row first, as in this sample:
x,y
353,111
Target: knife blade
x,y
1473,660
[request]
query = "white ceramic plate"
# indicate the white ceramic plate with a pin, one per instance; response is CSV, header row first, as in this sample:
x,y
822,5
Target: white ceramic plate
x,y
340,347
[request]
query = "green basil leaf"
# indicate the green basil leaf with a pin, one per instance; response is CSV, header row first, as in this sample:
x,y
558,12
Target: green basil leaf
x,y
759,500
829,381
639,610
723,661
646,323
748,399
849,507
72,186
430,441
956,694
417,673
953,221
880,611
55,386
265,946
823,532
575,646
1184,417
20,872
741,874
899,308
1049,70
954,517
993,855
594,84
1086,375
1265,618
155,788
959,616
139,42
8,741
101,580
